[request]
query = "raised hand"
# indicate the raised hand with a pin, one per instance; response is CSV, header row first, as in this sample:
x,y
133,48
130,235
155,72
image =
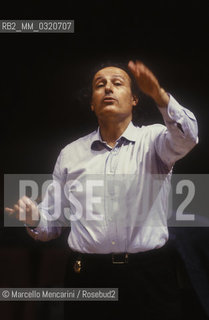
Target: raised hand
x,y
148,83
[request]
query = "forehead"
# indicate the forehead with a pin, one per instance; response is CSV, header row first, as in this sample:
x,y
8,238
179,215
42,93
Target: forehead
x,y
111,72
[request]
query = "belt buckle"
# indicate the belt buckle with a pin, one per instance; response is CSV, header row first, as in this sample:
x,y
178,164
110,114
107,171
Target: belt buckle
x,y
115,259
77,266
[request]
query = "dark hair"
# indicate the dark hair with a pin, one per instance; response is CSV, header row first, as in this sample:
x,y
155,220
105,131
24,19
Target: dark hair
x,y
85,93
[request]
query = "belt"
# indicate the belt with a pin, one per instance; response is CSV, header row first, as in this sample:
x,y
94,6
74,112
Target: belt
x,y
115,258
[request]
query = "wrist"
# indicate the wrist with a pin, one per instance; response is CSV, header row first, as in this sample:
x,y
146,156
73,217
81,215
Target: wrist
x,y
33,223
162,98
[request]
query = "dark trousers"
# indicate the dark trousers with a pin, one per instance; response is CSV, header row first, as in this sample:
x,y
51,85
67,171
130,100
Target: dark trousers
x,y
148,286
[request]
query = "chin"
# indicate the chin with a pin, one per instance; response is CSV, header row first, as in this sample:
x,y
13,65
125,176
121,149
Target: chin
x,y
110,107
109,112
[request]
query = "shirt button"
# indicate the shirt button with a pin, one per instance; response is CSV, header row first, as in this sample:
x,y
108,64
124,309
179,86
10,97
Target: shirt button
x,y
113,243
172,113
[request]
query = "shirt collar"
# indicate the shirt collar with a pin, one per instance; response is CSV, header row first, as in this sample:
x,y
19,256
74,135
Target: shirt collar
x,y
130,134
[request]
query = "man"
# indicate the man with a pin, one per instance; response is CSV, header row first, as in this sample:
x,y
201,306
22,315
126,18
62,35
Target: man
x,y
119,239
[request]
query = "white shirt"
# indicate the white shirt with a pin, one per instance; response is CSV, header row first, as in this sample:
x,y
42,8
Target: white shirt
x,y
112,201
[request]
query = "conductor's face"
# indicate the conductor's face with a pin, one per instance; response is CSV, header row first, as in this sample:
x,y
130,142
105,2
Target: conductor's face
x,y
112,97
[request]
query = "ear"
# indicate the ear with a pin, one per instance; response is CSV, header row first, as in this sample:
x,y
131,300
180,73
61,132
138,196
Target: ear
x,y
135,100
92,107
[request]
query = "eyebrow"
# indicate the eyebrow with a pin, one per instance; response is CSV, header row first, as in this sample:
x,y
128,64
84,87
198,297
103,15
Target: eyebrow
x,y
113,76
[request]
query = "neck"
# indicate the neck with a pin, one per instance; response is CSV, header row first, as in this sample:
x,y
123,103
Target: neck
x,y
111,131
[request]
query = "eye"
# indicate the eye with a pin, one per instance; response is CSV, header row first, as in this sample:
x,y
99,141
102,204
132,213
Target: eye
x,y
99,85
117,83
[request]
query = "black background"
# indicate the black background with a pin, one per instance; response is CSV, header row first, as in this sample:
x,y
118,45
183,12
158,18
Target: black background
x,y
41,76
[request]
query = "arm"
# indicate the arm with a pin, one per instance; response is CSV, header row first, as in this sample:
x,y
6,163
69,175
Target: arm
x,y
181,132
51,209
45,221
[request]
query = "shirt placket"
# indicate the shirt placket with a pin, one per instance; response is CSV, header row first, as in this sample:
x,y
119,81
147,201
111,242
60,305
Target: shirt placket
x,y
111,198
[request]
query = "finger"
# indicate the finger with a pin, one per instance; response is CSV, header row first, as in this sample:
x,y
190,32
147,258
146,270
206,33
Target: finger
x,y
27,200
141,67
25,203
139,62
33,206
146,72
16,211
16,208
10,211
133,68
152,77
21,204
131,65
20,213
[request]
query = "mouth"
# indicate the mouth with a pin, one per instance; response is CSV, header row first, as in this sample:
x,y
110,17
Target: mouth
x,y
109,99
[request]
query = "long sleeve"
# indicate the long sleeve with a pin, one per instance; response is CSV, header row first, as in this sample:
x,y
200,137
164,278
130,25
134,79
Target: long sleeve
x,y
51,209
180,134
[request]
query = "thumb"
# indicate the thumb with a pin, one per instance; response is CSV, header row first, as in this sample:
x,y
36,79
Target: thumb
x,y
132,66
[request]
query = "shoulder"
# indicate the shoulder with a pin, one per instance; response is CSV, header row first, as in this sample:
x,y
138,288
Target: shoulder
x,y
79,145
74,152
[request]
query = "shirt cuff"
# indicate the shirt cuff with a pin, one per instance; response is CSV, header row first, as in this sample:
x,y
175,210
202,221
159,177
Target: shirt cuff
x,y
174,112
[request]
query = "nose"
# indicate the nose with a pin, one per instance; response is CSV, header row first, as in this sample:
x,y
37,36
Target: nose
x,y
108,87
